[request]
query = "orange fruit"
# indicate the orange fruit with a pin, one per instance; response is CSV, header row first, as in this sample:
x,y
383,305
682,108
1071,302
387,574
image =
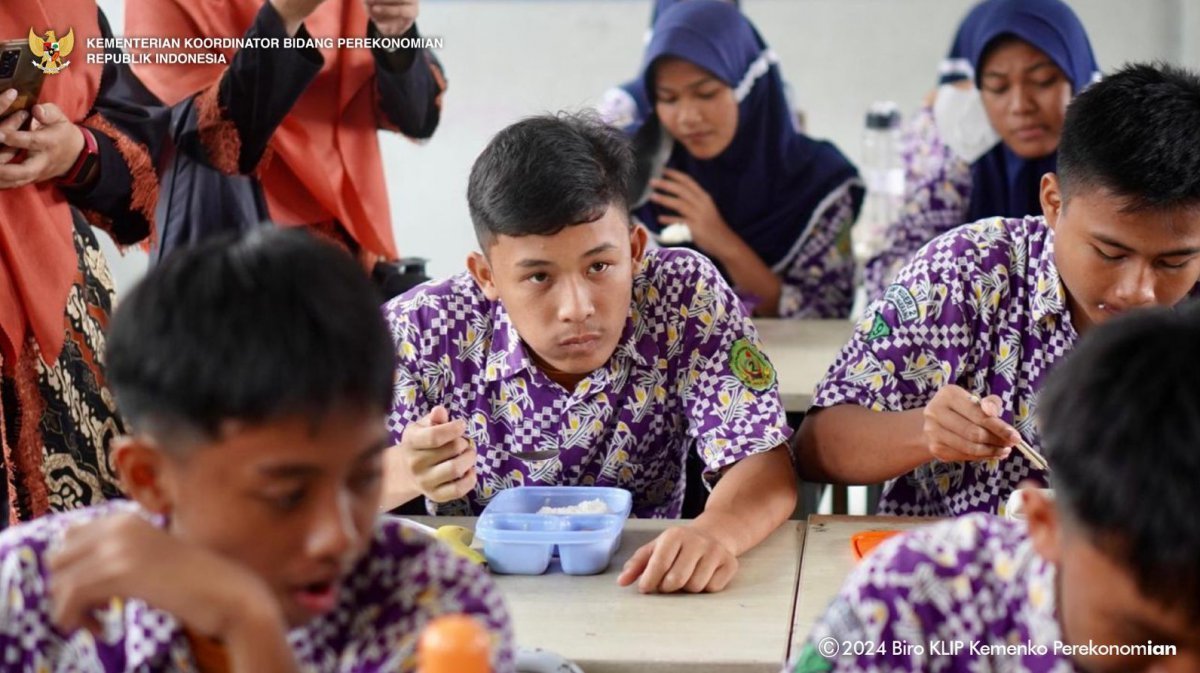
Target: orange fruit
x,y
454,644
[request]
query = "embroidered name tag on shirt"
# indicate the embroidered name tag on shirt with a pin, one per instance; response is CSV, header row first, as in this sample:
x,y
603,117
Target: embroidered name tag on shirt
x,y
902,299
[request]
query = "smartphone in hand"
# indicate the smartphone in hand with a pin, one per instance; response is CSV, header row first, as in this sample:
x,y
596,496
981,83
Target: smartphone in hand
x,y
17,71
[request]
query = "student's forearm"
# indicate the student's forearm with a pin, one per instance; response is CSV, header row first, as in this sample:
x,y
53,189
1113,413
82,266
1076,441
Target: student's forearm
x,y
750,501
849,444
750,274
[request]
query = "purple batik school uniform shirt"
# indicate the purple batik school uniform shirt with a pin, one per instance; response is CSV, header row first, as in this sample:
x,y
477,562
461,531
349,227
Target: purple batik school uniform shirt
x,y
687,374
818,280
982,307
964,595
404,580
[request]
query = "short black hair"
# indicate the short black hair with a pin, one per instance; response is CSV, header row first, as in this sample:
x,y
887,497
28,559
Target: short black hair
x,y
547,172
271,325
1136,134
1120,424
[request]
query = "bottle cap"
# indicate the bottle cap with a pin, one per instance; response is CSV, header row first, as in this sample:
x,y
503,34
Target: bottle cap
x,y
883,116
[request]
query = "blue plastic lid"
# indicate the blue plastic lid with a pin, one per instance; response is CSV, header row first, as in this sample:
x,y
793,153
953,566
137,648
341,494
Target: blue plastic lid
x,y
512,515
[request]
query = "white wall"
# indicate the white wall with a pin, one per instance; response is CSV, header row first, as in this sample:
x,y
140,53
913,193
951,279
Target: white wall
x,y
505,59
1190,25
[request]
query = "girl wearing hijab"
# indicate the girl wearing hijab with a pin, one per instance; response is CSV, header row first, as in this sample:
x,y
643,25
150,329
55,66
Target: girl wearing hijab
x,y
771,206
1026,59
626,105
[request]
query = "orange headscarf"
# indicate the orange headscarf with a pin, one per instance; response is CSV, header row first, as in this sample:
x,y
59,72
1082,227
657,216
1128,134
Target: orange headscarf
x,y
38,263
326,162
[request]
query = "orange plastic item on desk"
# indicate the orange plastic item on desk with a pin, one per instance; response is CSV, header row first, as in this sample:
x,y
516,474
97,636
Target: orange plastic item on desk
x,y
454,644
863,542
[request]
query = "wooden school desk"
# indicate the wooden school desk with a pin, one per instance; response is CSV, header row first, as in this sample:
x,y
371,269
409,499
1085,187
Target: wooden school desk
x,y
827,561
802,351
605,628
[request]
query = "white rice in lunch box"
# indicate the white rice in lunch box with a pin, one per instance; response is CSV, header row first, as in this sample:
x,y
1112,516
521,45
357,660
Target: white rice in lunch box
x,y
596,506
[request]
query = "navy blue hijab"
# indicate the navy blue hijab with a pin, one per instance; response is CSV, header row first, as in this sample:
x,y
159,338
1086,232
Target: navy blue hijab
x,y
1003,183
634,86
956,66
771,179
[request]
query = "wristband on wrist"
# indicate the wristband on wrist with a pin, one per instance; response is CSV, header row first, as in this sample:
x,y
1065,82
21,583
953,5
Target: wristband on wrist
x,y
85,164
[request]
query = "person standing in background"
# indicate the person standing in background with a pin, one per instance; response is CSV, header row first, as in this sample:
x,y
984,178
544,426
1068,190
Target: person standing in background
x,y
326,172
88,158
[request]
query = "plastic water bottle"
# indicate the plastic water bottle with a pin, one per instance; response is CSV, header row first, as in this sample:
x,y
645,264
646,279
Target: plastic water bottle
x,y
883,173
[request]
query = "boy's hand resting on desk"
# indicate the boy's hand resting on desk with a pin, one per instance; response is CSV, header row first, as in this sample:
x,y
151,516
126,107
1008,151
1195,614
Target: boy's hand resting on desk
x,y
752,498
433,457
684,558
125,556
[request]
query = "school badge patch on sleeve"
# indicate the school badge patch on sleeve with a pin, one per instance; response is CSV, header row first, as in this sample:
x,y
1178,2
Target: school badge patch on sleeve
x,y
879,328
750,365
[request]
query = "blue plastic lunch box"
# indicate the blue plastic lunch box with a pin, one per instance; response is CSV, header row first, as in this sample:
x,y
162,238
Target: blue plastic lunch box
x,y
519,541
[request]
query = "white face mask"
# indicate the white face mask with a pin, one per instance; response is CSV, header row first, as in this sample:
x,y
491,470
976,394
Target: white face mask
x,y
962,122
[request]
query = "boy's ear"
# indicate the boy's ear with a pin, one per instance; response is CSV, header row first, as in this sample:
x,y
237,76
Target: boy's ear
x,y
481,271
638,237
142,469
1051,198
1045,524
